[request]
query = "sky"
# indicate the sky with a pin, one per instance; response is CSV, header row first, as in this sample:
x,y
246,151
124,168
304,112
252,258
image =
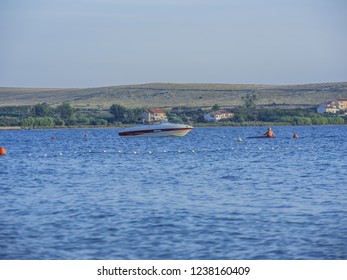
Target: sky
x,y
91,43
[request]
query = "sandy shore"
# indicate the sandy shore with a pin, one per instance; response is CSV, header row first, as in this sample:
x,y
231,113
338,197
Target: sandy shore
x,y
10,127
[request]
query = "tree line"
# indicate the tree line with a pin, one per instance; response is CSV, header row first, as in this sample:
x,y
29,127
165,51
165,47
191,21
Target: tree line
x,y
44,115
39,115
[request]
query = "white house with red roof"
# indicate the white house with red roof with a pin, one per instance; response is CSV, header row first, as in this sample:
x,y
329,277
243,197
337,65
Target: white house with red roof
x,y
332,106
218,115
153,115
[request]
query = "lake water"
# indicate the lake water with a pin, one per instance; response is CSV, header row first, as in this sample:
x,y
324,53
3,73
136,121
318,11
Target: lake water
x,y
202,196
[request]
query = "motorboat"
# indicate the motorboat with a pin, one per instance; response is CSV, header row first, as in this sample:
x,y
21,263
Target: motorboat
x,y
157,129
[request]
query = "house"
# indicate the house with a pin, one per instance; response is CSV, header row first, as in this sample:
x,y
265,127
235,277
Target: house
x,y
342,104
153,115
332,106
327,107
218,115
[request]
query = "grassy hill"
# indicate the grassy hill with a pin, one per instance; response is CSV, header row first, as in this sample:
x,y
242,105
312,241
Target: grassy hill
x,y
168,95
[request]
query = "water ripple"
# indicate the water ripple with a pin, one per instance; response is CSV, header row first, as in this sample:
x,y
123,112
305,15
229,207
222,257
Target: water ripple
x,y
203,196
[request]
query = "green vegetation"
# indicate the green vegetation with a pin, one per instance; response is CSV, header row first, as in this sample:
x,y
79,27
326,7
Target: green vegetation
x,y
44,116
186,103
298,116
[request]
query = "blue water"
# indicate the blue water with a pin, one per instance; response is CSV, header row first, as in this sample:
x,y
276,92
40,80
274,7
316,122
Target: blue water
x,y
202,196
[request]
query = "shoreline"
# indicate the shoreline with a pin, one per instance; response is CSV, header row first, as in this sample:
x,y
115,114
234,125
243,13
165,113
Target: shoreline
x,y
10,128
4,128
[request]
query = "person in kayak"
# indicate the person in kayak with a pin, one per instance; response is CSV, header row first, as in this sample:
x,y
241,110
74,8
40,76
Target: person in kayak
x,y
269,133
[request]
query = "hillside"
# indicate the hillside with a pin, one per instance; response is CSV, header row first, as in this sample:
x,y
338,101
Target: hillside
x,y
166,95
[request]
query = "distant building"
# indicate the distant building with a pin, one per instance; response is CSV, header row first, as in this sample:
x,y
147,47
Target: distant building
x,y
153,115
332,106
342,103
218,115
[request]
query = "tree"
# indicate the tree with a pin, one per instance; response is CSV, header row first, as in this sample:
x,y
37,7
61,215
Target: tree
x,y
28,122
132,115
118,112
215,108
9,121
250,105
239,114
41,110
65,111
44,122
249,101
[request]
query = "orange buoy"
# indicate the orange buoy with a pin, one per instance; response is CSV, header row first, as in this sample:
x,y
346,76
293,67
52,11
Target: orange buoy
x,y
2,151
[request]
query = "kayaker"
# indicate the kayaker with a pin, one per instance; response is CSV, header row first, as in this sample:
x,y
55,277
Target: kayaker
x,y
295,136
269,133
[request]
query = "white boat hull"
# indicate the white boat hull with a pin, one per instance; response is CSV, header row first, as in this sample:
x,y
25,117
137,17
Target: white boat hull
x,y
156,130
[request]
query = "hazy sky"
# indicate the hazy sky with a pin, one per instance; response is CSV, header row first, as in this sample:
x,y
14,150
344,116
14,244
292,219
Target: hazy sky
x,y
87,43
